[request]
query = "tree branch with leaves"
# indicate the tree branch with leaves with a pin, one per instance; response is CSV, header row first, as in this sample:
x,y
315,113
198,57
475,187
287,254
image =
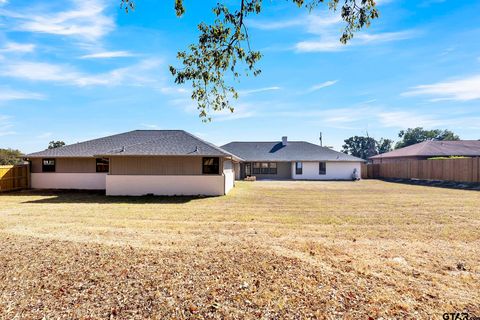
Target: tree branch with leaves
x,y
223,49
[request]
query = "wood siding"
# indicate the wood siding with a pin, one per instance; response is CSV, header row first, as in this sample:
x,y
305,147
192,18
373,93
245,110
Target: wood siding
x,y
156,165
67,165
460,170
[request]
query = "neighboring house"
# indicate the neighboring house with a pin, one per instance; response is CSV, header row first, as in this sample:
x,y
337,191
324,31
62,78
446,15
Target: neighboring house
x,y
160,162
298,160
430,149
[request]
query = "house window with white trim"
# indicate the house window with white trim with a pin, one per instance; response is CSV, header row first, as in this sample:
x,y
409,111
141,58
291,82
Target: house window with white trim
x,y
298,168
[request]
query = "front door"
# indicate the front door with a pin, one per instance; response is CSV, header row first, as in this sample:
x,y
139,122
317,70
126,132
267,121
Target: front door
x,y
248,169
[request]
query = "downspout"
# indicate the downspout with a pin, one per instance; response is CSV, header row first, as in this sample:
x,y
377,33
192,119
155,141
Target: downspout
x,y
224,180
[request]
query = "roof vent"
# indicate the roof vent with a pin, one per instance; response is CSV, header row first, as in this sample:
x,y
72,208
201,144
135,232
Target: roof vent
x,y
284,141
196,149
123,149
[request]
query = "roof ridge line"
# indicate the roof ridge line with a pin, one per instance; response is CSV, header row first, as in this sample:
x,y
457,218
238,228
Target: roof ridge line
x,y
211,144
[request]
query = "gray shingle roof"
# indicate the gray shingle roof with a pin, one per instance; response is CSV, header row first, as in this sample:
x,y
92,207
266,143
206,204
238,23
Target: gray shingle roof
x,y
293,151
138,143
432,148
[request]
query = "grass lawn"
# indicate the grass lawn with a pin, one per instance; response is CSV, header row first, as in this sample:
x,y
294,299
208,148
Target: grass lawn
x,y
267,250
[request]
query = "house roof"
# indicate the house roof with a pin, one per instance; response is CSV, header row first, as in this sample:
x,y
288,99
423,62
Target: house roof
x,y
435,148
293,151
139,143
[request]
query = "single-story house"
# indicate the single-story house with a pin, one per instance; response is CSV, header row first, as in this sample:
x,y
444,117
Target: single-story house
x,y
159,162
430,149
297,160
175,162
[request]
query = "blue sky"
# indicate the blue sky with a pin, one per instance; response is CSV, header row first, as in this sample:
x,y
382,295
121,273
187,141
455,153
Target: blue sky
x,y
80,69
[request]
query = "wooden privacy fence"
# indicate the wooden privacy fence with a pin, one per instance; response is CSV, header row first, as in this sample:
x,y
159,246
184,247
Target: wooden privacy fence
x,y
459,170
14,177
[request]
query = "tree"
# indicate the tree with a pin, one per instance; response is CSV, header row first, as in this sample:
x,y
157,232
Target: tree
x,y
10,156
224,47
416,135
366,147
384,145
55,144
361,147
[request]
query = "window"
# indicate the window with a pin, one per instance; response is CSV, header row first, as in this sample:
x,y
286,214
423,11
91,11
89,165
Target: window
x,y
103,164
273,167
322,168
48,165
264,168
211,166
298,168
256,168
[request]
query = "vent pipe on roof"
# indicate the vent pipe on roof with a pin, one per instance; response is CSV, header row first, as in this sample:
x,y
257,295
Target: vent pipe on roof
x,y
123,149
284,141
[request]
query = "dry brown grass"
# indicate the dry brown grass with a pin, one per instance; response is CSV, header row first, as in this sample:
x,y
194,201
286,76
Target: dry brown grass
x,y
267,250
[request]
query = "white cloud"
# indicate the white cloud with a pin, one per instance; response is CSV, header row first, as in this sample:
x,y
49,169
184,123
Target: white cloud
x,y
6,126
364,115
322,85
400,119
173,90
329,42
18,47
242,111
460,90
319,46
385,36
86,20
184,103
327,26
313,22
9,94
135,75
107,55
259,90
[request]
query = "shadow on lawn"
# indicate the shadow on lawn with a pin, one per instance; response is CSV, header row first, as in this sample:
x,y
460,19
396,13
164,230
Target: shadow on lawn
x,y
437,183
74,196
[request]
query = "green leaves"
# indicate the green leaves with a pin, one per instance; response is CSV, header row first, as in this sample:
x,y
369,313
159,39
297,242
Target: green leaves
x,y
416,135
127,5
366,147
222,48
222,54
55,144
10,157
179,8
